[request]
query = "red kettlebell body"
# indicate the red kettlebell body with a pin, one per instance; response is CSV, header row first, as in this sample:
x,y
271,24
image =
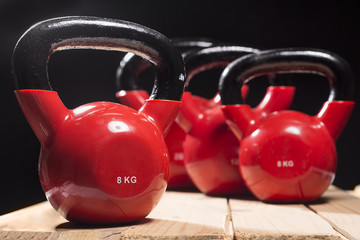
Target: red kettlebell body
x,y
102,162
175,140
84,163
204,150
288,156
211,149
281,152
210,156
178,177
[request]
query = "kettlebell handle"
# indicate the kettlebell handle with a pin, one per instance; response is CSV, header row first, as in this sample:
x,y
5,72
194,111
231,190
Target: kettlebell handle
x,y
290,60
212,57
185,44
131,66
33,50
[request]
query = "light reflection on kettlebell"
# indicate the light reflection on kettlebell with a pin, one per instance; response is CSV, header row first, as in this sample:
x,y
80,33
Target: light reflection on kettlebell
x,y
118,126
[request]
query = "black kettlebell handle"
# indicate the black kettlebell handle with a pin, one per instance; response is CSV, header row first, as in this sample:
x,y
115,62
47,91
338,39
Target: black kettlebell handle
x,y
131,66
212,57
290,60
33,50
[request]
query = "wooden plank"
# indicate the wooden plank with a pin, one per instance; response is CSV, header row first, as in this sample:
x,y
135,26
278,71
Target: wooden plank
x,y
40,217
341,210
179,214
188,215
197,216
254,219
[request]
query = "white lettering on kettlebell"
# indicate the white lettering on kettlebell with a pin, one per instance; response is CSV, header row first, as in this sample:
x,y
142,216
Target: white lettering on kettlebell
x,y
126,179
285,163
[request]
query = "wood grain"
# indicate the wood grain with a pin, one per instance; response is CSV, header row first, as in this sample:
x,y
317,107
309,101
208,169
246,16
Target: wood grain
x,y
179,214
341,210
258,220
187,215
193,215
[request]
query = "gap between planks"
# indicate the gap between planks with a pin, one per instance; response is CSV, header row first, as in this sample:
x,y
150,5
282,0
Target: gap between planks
x,y
253,219
229,225
341,210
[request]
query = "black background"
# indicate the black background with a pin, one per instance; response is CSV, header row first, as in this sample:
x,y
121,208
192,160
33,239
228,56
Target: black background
x,y
82,76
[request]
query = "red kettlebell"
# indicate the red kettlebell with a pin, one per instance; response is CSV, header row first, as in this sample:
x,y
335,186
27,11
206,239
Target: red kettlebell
x,y
131,94
101,162
288,156
211,149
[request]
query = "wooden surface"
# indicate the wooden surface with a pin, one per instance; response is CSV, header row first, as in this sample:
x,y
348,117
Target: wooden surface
x,y
185,215
341,210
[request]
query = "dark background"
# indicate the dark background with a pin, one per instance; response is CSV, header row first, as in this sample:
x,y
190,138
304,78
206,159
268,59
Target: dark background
x,y
82,76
